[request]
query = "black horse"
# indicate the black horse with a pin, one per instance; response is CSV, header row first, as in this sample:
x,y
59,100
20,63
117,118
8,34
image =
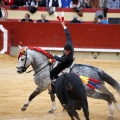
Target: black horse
x,y
72,95
104,94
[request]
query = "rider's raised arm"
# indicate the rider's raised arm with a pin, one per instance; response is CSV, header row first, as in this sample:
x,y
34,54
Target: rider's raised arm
x,y
67,33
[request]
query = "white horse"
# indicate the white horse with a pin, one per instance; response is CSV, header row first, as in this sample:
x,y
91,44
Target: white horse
x,y
41,67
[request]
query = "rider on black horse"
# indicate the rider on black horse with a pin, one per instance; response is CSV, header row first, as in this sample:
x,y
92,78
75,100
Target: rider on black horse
x,y
65,60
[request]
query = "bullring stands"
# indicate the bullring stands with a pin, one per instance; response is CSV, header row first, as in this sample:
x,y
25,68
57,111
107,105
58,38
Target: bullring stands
x,y
88,14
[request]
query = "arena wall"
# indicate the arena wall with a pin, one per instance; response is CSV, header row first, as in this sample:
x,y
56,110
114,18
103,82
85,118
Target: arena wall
x,y
90,40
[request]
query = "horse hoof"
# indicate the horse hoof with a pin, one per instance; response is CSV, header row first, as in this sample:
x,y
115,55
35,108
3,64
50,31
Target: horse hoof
x,y
110,118
24,107
51,110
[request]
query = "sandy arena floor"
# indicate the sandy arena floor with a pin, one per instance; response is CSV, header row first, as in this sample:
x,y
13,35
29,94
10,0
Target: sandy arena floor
x,y
15,89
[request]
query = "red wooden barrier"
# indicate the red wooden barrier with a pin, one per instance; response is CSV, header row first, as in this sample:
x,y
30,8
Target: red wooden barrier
x,y
52,35
7,27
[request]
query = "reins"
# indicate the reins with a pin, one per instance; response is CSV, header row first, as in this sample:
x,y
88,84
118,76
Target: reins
x,y
41,69
38,70
32,69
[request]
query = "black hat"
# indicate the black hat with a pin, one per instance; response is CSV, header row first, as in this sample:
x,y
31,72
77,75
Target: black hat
x,y
67,47
100,16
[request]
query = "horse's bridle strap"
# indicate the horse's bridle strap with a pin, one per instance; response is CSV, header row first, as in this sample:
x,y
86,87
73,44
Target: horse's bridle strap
x,y
41,69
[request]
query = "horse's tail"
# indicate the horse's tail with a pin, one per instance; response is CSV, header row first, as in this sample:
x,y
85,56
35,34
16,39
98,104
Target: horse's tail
x,y
107,78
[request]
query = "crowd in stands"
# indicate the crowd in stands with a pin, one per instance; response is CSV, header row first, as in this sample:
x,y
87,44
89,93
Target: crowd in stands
x,y
77,5
28,19
75,20
99,18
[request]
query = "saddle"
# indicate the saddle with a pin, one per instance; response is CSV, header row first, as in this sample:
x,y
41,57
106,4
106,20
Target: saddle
x,y
66,70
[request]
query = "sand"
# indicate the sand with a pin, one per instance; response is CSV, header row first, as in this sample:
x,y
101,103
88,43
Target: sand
x,y
15,89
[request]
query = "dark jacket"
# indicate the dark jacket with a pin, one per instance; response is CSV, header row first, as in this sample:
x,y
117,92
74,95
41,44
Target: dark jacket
x,y
19,2
42,3
75,21
42,21
23,20
55,3
67,59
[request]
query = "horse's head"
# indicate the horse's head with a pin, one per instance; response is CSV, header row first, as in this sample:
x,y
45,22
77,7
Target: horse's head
x,y
23,60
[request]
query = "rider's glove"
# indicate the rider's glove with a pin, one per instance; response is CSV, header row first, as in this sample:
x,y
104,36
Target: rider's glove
x,y
51,60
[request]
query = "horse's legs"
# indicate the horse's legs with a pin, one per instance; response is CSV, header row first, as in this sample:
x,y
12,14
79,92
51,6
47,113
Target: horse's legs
x,y
54,107
85,109
104,96
110,106
33,95
73,114
114,101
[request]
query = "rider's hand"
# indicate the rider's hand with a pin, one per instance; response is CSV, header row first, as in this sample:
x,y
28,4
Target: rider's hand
x,y
51,60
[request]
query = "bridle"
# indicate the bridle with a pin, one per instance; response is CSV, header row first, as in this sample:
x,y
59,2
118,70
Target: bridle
x,y
24,68
23,52
42,68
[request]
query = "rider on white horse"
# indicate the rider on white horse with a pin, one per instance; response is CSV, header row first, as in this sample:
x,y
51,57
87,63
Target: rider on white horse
x,y
65,60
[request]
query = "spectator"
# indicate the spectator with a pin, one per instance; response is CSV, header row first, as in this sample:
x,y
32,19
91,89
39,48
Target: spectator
x,y
86,3
102,20
43,19
26,19
32,5
98,13
17,3
42,3
75,20
55,3
65,3
77,6
29,2
114,4
94,4
1,2
104,4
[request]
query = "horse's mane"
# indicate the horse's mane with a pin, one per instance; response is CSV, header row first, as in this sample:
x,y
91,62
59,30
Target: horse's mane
x,y
38,49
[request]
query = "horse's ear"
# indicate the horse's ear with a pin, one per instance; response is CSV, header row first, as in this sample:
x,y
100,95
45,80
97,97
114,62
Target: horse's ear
x,y
19,46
